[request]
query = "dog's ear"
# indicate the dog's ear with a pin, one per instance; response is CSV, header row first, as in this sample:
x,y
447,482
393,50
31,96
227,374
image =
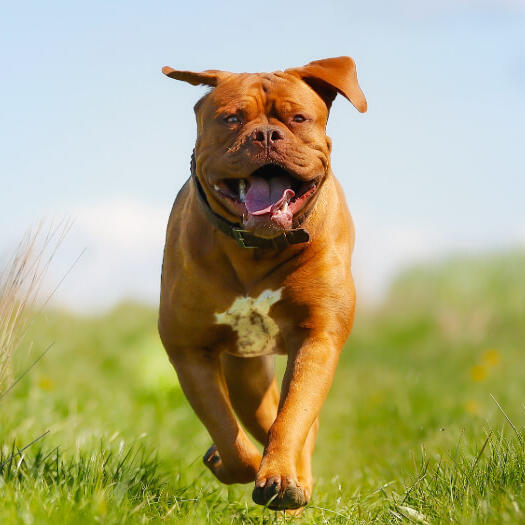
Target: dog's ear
x,y
331,76
210,77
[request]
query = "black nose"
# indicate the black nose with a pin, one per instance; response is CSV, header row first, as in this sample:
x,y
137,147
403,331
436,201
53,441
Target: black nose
x,y
266,135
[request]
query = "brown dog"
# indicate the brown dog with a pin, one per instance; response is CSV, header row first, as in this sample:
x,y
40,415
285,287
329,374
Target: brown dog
x,y
257,262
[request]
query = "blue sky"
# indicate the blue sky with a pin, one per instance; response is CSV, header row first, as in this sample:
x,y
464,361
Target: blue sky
x,y
93,131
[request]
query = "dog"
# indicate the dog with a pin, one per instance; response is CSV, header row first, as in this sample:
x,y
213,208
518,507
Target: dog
x,y
257,262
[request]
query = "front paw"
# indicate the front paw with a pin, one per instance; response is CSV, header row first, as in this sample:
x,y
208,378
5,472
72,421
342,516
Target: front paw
x,y
280,492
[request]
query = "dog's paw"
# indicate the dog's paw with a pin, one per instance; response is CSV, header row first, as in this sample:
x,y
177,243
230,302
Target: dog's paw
x,y
212,458
238,472
280,493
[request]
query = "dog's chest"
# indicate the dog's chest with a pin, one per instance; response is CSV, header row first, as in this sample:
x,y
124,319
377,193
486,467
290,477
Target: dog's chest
x,y
249,317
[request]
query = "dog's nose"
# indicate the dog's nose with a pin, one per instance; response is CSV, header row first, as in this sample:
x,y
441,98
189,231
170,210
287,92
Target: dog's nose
x,y
267,135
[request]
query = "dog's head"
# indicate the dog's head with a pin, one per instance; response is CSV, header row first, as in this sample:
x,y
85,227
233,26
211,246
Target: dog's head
x,y
262,152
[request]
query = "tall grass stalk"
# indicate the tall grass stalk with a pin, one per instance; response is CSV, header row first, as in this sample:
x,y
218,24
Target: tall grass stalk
x,y
21,281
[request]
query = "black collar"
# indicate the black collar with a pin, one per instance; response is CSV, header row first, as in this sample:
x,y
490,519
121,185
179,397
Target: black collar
x,y
245,238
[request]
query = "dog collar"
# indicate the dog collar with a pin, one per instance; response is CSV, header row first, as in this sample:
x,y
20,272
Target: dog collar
x,y
245,238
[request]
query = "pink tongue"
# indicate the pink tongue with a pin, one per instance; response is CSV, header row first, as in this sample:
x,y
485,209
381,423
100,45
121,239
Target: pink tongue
x,y
264,195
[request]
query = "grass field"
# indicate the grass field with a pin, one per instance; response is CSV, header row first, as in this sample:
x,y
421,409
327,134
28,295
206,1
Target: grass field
x,y
411,431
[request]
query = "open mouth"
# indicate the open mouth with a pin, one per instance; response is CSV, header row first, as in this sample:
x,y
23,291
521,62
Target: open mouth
x,y
270,193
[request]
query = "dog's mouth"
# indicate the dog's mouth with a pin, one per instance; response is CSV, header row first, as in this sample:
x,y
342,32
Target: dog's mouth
x,y
270,194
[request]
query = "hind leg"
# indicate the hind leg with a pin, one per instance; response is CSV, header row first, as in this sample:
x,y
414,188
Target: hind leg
x,y
202,380
253,392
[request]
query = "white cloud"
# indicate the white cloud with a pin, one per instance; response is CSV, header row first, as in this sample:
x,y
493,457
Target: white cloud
x,y
122,224
122,243
521,236
382,251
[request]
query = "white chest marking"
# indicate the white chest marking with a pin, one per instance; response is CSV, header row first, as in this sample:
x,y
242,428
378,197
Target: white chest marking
x,y
248,316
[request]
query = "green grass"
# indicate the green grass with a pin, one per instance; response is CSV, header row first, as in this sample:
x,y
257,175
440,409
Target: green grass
x,y
409,433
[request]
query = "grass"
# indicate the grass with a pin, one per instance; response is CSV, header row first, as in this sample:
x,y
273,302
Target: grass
x,y
424,423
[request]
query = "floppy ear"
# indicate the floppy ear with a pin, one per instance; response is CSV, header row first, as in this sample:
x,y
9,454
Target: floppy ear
x,y
210,77
331,76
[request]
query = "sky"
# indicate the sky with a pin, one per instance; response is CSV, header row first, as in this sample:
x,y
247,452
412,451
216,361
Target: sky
x,y
93,132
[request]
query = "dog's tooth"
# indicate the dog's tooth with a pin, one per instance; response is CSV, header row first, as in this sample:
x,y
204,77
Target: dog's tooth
x,y
215,187
242,190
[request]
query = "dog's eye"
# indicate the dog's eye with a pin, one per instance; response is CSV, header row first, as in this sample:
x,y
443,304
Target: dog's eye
x,y
232,119
299,118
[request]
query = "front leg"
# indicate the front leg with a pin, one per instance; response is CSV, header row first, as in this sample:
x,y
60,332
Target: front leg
x,y
233,458
308,378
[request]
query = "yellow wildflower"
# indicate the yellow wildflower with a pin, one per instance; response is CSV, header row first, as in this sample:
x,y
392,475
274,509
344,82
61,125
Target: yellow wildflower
x,y
491,357
478,372
46,383
472,407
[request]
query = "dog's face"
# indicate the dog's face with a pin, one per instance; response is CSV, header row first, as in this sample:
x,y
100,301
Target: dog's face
x,y
262,152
